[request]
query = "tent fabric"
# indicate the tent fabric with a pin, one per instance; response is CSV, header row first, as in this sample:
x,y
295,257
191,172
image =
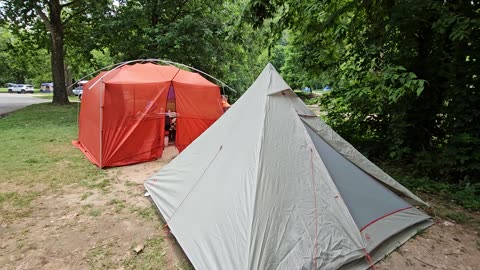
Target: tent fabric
x,y
362,195
260,189
122,114
194,119
353,155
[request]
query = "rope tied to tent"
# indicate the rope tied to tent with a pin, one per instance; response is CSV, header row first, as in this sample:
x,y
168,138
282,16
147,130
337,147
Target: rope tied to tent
x,y
316,212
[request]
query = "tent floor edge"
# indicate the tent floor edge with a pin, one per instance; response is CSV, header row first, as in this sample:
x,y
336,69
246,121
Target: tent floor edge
x,y
389,245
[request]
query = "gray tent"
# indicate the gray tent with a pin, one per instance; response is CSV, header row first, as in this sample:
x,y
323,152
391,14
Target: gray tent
x,y
271,186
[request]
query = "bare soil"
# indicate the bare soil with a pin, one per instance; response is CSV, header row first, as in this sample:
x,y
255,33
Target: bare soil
x,y
445,245
79,228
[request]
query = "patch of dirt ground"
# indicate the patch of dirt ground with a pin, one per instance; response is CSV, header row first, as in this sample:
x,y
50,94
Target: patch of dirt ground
x,y
445,245
80,228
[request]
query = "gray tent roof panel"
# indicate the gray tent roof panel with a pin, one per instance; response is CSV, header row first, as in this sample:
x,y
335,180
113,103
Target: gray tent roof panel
x,y
352,154
365,197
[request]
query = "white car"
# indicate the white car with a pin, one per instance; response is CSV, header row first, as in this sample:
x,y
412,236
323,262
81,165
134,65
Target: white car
x,y
22,88
78,92
10,87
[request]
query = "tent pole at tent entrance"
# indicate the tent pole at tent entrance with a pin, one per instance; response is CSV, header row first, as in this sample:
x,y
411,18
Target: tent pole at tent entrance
x,y
101,121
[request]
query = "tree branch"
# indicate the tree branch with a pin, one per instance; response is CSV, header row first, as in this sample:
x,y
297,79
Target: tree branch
x,y
44,17
179,7
70,3
67,20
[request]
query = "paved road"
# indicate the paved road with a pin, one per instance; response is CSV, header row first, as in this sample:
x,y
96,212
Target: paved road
x,y
10,102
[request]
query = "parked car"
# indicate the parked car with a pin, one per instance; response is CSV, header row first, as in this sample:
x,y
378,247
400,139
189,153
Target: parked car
x,y
78,91
23,88
10,87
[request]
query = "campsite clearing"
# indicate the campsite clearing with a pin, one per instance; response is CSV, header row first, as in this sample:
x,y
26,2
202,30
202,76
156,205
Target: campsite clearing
x,y
58,211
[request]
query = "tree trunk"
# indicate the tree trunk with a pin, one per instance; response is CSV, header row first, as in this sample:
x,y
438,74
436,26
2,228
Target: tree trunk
x,y
69,80
56,33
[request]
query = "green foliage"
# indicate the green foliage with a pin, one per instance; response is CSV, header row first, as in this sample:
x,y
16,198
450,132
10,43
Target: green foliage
x,y
404,75
206,35
464,194
22,63
459,217
308,98
468,196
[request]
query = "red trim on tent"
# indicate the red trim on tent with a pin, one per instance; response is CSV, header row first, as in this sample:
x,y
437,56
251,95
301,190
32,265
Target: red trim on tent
x,y
384,216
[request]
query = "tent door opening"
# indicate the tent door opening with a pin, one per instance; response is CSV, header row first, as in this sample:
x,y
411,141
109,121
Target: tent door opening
x,y
170,118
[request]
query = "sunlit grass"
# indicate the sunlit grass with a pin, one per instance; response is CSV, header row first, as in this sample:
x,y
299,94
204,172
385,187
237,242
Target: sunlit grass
x,y
36,150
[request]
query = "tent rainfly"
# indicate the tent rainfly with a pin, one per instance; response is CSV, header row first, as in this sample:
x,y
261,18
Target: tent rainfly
x,y
122,116
271,186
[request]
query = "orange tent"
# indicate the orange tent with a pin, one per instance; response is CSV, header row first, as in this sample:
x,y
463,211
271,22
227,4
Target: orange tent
x,y
122,115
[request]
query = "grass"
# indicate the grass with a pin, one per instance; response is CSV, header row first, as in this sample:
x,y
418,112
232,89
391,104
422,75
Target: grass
x,y
457,216
94,212
456,202
464,194
117,204
15,205
3,90
49,96
184,265
86,195
37,150
153,256
101,257
147,213
37,154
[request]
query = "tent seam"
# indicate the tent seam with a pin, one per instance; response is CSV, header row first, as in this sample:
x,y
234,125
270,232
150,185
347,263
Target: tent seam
x,y
260,141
